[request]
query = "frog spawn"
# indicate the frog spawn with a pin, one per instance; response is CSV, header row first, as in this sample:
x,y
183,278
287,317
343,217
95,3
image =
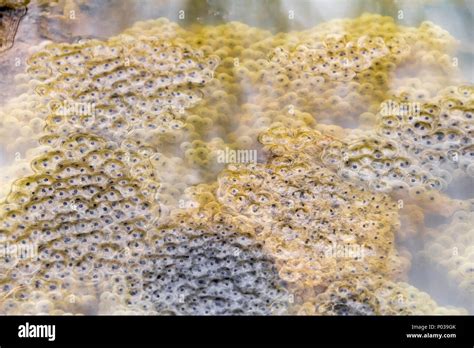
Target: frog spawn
x,y
333,59
303,212
417,150
268,112
135,89
438,132
210,264
328,78
374,296
449,247
378,163
19,130
322,280
111,88
338,71
86,217
89,212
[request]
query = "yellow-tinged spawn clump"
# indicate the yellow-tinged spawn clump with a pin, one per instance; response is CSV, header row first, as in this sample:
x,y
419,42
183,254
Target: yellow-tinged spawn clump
x,y
144,92
86,218
340,69
381,164
233,43
437,131
316,76
127,83
21,123
372,295
83,214
136,90
417,147
451,248
318,227
331,71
